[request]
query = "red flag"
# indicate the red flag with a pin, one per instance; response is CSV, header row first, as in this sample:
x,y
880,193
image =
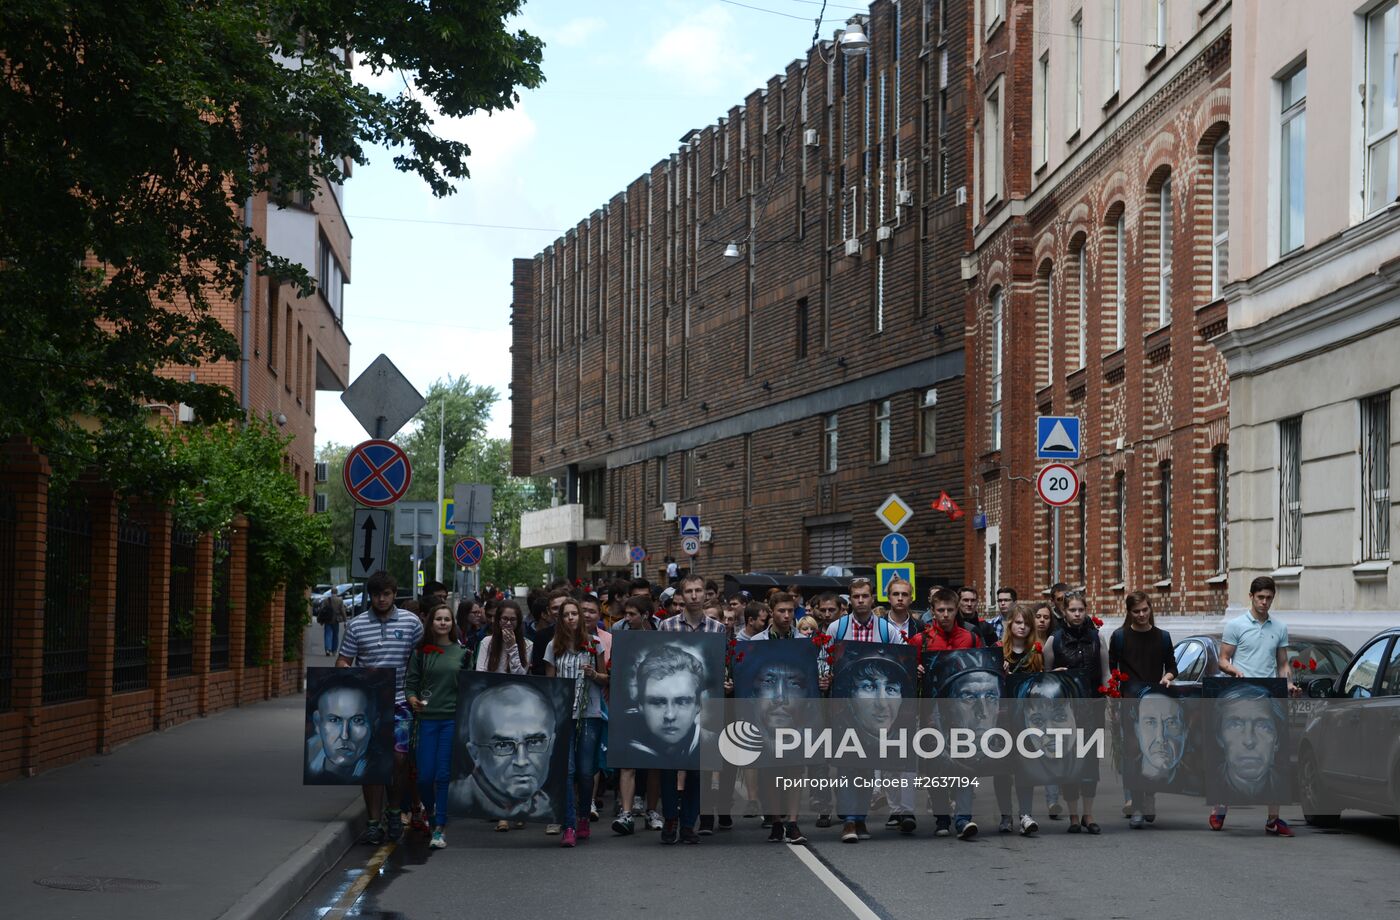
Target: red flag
x,y
949,507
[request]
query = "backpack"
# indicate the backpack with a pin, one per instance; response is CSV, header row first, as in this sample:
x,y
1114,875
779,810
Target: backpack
x,y
843,626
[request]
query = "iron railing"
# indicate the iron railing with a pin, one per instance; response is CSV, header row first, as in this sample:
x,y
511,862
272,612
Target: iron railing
x,y
219,611
1290,492
8,569
180,650
1375,477
294,620
254,628
67,582
133,624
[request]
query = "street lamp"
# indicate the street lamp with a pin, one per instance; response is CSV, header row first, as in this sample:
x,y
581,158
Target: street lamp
x,y
731,252
854,41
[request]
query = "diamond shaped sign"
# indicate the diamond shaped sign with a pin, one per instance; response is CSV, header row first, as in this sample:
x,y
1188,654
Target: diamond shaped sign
x,y
894,513
382,399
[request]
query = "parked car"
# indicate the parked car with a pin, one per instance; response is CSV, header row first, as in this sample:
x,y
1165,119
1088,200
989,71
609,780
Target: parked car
x,y
1350,752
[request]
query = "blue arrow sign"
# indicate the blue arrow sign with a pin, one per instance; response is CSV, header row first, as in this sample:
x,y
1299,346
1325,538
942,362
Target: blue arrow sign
x,y
1057,437
690,525
468,552
894,548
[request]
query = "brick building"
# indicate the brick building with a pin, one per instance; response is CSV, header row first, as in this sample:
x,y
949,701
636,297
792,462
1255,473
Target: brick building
x,y
1101,137
781,394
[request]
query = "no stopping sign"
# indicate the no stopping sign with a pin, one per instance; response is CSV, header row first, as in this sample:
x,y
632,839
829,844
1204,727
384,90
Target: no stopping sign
x,y
1057,484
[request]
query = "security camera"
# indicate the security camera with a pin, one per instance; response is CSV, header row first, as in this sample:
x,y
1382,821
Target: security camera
x,y
281,419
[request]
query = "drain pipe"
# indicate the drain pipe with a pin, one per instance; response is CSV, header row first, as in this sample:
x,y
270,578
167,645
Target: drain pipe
x,y
246,333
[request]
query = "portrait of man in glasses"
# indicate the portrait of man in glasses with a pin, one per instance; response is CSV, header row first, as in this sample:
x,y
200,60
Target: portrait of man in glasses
x,y
508,735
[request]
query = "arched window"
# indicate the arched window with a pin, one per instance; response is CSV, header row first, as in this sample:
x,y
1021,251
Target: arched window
x,y
1044,325
994,365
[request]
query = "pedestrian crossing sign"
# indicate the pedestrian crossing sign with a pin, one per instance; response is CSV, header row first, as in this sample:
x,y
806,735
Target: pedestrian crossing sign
x,y
886,572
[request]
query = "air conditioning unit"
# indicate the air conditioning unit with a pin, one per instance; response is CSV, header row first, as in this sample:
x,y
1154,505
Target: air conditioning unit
x,y
883,233
323,471
668,511
320,503
810,138
962,194
184,414
853,247
906,198
705,534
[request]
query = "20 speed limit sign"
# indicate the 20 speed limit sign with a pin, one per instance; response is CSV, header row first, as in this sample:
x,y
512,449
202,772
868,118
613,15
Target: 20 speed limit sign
x,y
1057,484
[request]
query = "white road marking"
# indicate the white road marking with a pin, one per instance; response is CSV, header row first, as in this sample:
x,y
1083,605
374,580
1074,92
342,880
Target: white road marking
x,y
837,887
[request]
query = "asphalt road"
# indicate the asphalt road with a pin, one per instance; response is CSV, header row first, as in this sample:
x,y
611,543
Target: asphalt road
x,y
1177,869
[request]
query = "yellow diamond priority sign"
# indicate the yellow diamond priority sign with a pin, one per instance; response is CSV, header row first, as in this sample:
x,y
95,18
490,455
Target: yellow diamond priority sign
x,y
894,513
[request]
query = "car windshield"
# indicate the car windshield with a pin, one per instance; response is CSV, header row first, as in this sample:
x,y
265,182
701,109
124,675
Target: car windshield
x,y
1330,656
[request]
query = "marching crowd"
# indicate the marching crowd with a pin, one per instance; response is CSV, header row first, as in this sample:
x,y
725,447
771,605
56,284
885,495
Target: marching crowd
x,y
567,631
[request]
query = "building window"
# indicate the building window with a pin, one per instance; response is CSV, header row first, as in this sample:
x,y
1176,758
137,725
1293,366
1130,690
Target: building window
x,y
1219,215
828,545
1382,26
1221,458
1077,87
991,145
273,310
829,432
1164,567
996,9
1083,538
661,480
1116,54
1042,133
1120,282
928,422
1164,253
1290,497
1375,477
1080,313
995,364
801,323
882,431
1159,34
690,474
1292,143
1120,521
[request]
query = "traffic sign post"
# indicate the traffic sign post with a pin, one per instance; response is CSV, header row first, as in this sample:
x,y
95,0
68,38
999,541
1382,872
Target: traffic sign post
x,y
468,552
1057,437
886,571
894,548
377,473
690,525
1057,485
638,555
471,508
382,399
370,544
690,545
894,512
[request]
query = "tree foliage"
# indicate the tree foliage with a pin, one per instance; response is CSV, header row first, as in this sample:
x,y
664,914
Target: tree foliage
x,y
133,134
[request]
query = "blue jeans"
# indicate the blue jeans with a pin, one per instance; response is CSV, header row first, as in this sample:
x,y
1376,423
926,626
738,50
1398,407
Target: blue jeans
x,y
850,797
332,636
962,807
583,763
435,764
683,805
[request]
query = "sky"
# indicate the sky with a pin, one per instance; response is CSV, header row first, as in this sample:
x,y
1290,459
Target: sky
x,y
624,81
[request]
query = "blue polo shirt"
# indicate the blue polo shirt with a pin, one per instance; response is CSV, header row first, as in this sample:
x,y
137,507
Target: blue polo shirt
x,y
1256,644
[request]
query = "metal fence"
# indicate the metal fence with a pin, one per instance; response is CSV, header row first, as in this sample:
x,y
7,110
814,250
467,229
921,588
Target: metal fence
x,y
218,622
180,652
254,628
133,609
295,616
8,571
67,583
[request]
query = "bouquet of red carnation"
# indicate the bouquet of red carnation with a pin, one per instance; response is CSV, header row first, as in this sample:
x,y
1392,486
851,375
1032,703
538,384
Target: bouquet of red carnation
x,y
432,650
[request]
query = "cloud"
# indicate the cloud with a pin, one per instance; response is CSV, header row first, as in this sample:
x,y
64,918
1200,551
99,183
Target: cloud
x,y
699,51
574,32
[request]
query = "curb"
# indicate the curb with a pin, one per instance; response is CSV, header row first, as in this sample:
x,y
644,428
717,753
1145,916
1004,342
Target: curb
x,y
284,886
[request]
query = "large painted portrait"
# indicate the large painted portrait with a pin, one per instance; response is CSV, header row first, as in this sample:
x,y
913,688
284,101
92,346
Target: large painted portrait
x,y
511,754
1246,741
775,687
1161,735
349,727
660,684
1046,705
965,687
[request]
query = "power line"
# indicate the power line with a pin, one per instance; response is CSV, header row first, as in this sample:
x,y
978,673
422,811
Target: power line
x,y
451,223
762,9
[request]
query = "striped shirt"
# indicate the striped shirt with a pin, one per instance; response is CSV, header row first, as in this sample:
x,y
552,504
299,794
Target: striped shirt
x,y
371,642
678,623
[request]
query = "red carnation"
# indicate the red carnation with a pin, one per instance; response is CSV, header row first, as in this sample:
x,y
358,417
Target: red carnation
x,y
733,642
1038,647
1102,691
1312,664
431,650
1096,621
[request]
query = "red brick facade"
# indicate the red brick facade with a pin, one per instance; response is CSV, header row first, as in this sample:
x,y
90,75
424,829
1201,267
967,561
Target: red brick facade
x,y
662,372
1153,410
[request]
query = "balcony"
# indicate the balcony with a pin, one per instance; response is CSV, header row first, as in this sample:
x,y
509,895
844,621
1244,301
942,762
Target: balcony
x,y
291,233
560,525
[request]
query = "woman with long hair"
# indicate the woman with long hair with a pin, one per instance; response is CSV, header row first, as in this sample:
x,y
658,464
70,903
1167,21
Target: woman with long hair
x,y
1078,646
575,655
431,690
1021,653
505,650
1043,618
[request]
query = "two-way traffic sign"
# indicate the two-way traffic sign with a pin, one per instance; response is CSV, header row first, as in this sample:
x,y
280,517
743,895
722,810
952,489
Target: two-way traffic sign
x,y
370,546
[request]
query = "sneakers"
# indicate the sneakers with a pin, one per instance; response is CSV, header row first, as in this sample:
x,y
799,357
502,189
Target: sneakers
x,y
419,821
1128,810
1028,826
593,810
584,830
395,826
1004,826
1217,821
823,820
848,833
1136,822
907,824
793,834
726,822
707,825
1149,818
670,832
1278,828
622,825
943,829
552,829
1056,810
502,825
570,839
639,806
654,821
862,831
768,821
689,836
373,835
439,840
776,834
967,830
892,821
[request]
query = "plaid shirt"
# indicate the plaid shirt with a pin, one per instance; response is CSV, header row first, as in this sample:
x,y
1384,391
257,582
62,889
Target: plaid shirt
x,y
863,633
677,623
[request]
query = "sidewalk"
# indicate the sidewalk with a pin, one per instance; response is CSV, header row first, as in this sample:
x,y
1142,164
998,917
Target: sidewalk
x,y
212,811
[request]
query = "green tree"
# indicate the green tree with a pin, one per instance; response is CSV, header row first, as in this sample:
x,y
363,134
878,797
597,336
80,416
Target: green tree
x,y
133,134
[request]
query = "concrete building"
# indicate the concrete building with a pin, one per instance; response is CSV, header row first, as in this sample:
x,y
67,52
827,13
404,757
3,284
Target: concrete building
x,y
1101,133
783,393
1314,307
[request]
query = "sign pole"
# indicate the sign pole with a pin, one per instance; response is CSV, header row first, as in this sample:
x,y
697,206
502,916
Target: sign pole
x,y
442,423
